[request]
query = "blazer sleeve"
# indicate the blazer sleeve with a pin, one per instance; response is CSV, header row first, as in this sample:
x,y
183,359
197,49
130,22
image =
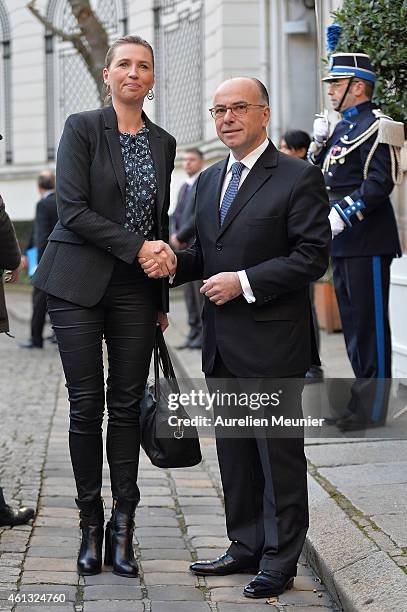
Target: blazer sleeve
x,y
9,250
74,196
309,242
189,264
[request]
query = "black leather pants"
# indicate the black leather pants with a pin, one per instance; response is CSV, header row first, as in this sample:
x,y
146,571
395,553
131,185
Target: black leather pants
x,y
125,318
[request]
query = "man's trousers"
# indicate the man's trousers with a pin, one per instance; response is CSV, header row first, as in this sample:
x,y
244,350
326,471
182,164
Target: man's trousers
x,y
264,479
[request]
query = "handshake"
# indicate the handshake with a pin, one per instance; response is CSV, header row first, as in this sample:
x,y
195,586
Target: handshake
x,y
157,259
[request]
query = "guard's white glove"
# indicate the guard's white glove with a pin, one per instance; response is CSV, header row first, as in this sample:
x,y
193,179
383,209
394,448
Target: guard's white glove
x,y
321,129
337,224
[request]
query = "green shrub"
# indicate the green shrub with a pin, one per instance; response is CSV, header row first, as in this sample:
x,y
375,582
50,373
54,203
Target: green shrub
x,y
376,27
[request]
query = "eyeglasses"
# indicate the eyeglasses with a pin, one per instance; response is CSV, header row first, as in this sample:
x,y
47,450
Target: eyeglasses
x,y
238,109
338,84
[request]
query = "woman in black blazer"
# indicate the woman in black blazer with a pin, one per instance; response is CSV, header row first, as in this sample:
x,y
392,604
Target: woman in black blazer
x,y
113,186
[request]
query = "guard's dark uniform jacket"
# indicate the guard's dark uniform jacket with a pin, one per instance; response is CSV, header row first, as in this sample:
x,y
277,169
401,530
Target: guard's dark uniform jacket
x,y
360,167
373,231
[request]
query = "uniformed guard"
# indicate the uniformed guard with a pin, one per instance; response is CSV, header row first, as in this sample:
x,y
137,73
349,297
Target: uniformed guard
x,y
361,163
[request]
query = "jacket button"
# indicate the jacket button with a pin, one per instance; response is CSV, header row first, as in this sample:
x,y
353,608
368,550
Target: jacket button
x,y
109,249
218,246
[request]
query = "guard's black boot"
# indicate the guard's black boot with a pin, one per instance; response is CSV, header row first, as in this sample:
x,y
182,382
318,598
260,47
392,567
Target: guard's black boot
x,y
11,517
119,540
92,524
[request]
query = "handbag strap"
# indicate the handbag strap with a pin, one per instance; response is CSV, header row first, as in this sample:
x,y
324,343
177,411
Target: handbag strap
x,y
162,358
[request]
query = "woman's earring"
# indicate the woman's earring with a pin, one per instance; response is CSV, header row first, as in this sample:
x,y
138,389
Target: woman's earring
x,y
150,95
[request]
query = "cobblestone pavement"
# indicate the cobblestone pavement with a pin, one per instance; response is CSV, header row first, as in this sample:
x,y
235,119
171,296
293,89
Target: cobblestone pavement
x,y
180,518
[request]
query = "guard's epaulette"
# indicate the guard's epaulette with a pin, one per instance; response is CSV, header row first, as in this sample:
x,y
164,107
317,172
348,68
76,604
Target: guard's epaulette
x,y
390,132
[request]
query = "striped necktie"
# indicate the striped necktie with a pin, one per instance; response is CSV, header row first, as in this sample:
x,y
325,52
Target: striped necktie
x,y
232,189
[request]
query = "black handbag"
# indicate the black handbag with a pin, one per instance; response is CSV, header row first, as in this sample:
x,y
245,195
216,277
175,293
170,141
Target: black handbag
x,y
166,446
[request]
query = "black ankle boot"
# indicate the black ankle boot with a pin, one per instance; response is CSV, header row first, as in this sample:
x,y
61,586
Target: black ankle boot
x,y
119,540
91,524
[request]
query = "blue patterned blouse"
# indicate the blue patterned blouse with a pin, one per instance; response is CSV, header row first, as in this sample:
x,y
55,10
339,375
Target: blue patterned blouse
x,y
141,183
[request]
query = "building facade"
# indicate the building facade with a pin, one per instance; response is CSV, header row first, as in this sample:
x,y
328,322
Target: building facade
x,y
198,44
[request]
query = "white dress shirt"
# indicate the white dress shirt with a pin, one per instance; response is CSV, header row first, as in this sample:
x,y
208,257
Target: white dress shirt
x,y
190,180
249,162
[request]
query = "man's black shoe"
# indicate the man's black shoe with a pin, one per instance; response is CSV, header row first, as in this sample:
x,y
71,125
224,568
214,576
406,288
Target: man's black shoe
x,y
268,584
11,517
314,375
354,424
29,344
222,566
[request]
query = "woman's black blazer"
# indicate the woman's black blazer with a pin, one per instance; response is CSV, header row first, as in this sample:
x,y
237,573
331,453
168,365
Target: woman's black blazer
x,y
82,249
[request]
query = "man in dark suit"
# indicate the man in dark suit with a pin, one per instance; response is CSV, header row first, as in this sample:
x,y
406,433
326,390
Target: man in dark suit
x,y
9,260
182,236
46,217
262,235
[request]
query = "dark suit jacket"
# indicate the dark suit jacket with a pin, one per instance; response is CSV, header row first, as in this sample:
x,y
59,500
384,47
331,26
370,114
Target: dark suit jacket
x,y
186,226
277,230
9,258
78,262
46,217
45,220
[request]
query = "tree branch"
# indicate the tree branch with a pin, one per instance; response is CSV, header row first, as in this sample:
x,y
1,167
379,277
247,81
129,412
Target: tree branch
x,y
92,41
50,26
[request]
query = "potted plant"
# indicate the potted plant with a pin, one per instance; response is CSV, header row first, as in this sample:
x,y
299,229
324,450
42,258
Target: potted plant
x,y
326,305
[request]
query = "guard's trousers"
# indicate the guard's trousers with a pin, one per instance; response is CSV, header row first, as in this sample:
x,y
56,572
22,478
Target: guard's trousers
x,y
362,290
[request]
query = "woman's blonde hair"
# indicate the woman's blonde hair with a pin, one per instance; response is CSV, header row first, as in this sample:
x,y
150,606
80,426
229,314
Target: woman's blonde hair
x,y
131,39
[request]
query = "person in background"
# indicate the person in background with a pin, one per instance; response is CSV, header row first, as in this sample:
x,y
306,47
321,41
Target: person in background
x,y
113,172
182,236
296,144
10,261
46,217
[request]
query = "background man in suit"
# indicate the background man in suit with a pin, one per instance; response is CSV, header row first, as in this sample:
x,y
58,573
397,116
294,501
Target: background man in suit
x,y
46,217
10,260
262,235
182,236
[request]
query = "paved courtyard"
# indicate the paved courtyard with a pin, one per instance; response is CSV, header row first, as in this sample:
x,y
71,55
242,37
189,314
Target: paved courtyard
x,y
180,518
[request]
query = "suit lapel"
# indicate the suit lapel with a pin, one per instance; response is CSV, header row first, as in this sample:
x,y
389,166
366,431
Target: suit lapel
x,y
257,176
219,177
111,132
158,150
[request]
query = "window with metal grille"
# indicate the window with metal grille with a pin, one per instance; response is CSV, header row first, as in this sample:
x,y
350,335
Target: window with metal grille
x,y
179,52
70,87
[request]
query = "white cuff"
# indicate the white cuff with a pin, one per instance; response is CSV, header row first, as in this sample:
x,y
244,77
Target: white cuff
x,y
247,290
171,278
